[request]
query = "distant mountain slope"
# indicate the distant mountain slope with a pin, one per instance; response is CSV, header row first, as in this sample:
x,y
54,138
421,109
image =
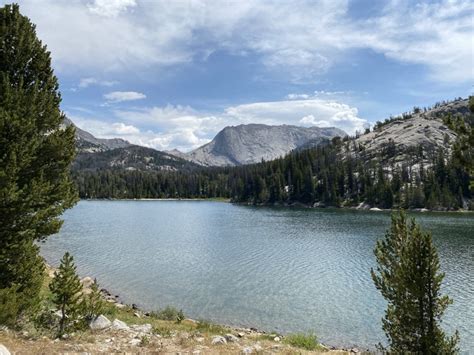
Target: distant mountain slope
x,y
87,143
398,138
118,154
132,157
252,143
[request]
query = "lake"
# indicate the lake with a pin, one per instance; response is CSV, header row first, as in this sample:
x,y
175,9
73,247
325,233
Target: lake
x,y
276,269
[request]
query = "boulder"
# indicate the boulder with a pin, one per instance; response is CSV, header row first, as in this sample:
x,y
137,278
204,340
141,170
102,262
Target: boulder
x,y
135,342
4,350
101,322
142,328
87,282
119,325
231,338
277,339
217,340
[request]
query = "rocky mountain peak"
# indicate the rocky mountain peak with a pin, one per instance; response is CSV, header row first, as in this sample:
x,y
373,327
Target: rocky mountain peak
x,y
252,143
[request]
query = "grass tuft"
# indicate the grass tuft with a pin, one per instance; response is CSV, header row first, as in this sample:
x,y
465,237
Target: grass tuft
x,y
303,341
206,326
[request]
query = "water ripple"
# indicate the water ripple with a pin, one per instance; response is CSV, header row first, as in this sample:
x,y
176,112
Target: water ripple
x,y
277,269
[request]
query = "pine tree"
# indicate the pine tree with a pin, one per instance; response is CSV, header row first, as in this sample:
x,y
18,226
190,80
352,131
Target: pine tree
x,y
409,279
35,154
94,304
67,293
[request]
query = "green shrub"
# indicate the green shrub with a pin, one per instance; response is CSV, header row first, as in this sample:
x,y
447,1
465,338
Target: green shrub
x,y
169,313
165,332
109,309
209,327
302,340
144,340
46,319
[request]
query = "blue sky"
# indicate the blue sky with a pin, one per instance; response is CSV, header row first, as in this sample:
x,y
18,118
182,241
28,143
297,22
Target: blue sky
x,y
171,74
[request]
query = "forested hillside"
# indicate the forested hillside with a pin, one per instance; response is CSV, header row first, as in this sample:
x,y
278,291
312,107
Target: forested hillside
x,y
432,171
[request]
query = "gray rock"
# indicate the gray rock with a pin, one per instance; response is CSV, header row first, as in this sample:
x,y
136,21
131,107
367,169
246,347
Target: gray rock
x,y
422,129
87,281
257,347
101,322
135,342
248,144
142,328
247,350
4,350
119,325
58,314
218,340
231,338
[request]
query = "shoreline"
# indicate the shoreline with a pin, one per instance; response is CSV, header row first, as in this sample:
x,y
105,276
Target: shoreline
x,y
364,208
142,314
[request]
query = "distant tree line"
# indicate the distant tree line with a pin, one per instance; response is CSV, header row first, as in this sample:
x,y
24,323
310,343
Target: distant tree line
x,y
339,173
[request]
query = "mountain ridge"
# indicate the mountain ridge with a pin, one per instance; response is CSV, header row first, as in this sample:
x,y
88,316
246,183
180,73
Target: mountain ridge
x,y
115,153
251,143
88,143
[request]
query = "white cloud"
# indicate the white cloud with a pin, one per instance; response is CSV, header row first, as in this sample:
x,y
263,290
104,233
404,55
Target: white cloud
x,y
297,96
301,39
120,96
123,129
86,82
437,35
110,8
103,129
316,94
184,128
311,112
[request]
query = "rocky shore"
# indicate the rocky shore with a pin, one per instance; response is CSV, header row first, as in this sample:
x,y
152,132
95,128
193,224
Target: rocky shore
x,y
360,207
130,330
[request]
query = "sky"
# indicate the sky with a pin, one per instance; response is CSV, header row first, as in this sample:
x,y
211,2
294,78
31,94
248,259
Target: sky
x,y
172,73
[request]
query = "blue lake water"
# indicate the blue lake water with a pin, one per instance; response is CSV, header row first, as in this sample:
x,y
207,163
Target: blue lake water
x,y
276,269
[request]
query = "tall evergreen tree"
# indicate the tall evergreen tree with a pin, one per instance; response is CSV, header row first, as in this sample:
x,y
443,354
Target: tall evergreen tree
x,y
409,279
67,293
35,154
